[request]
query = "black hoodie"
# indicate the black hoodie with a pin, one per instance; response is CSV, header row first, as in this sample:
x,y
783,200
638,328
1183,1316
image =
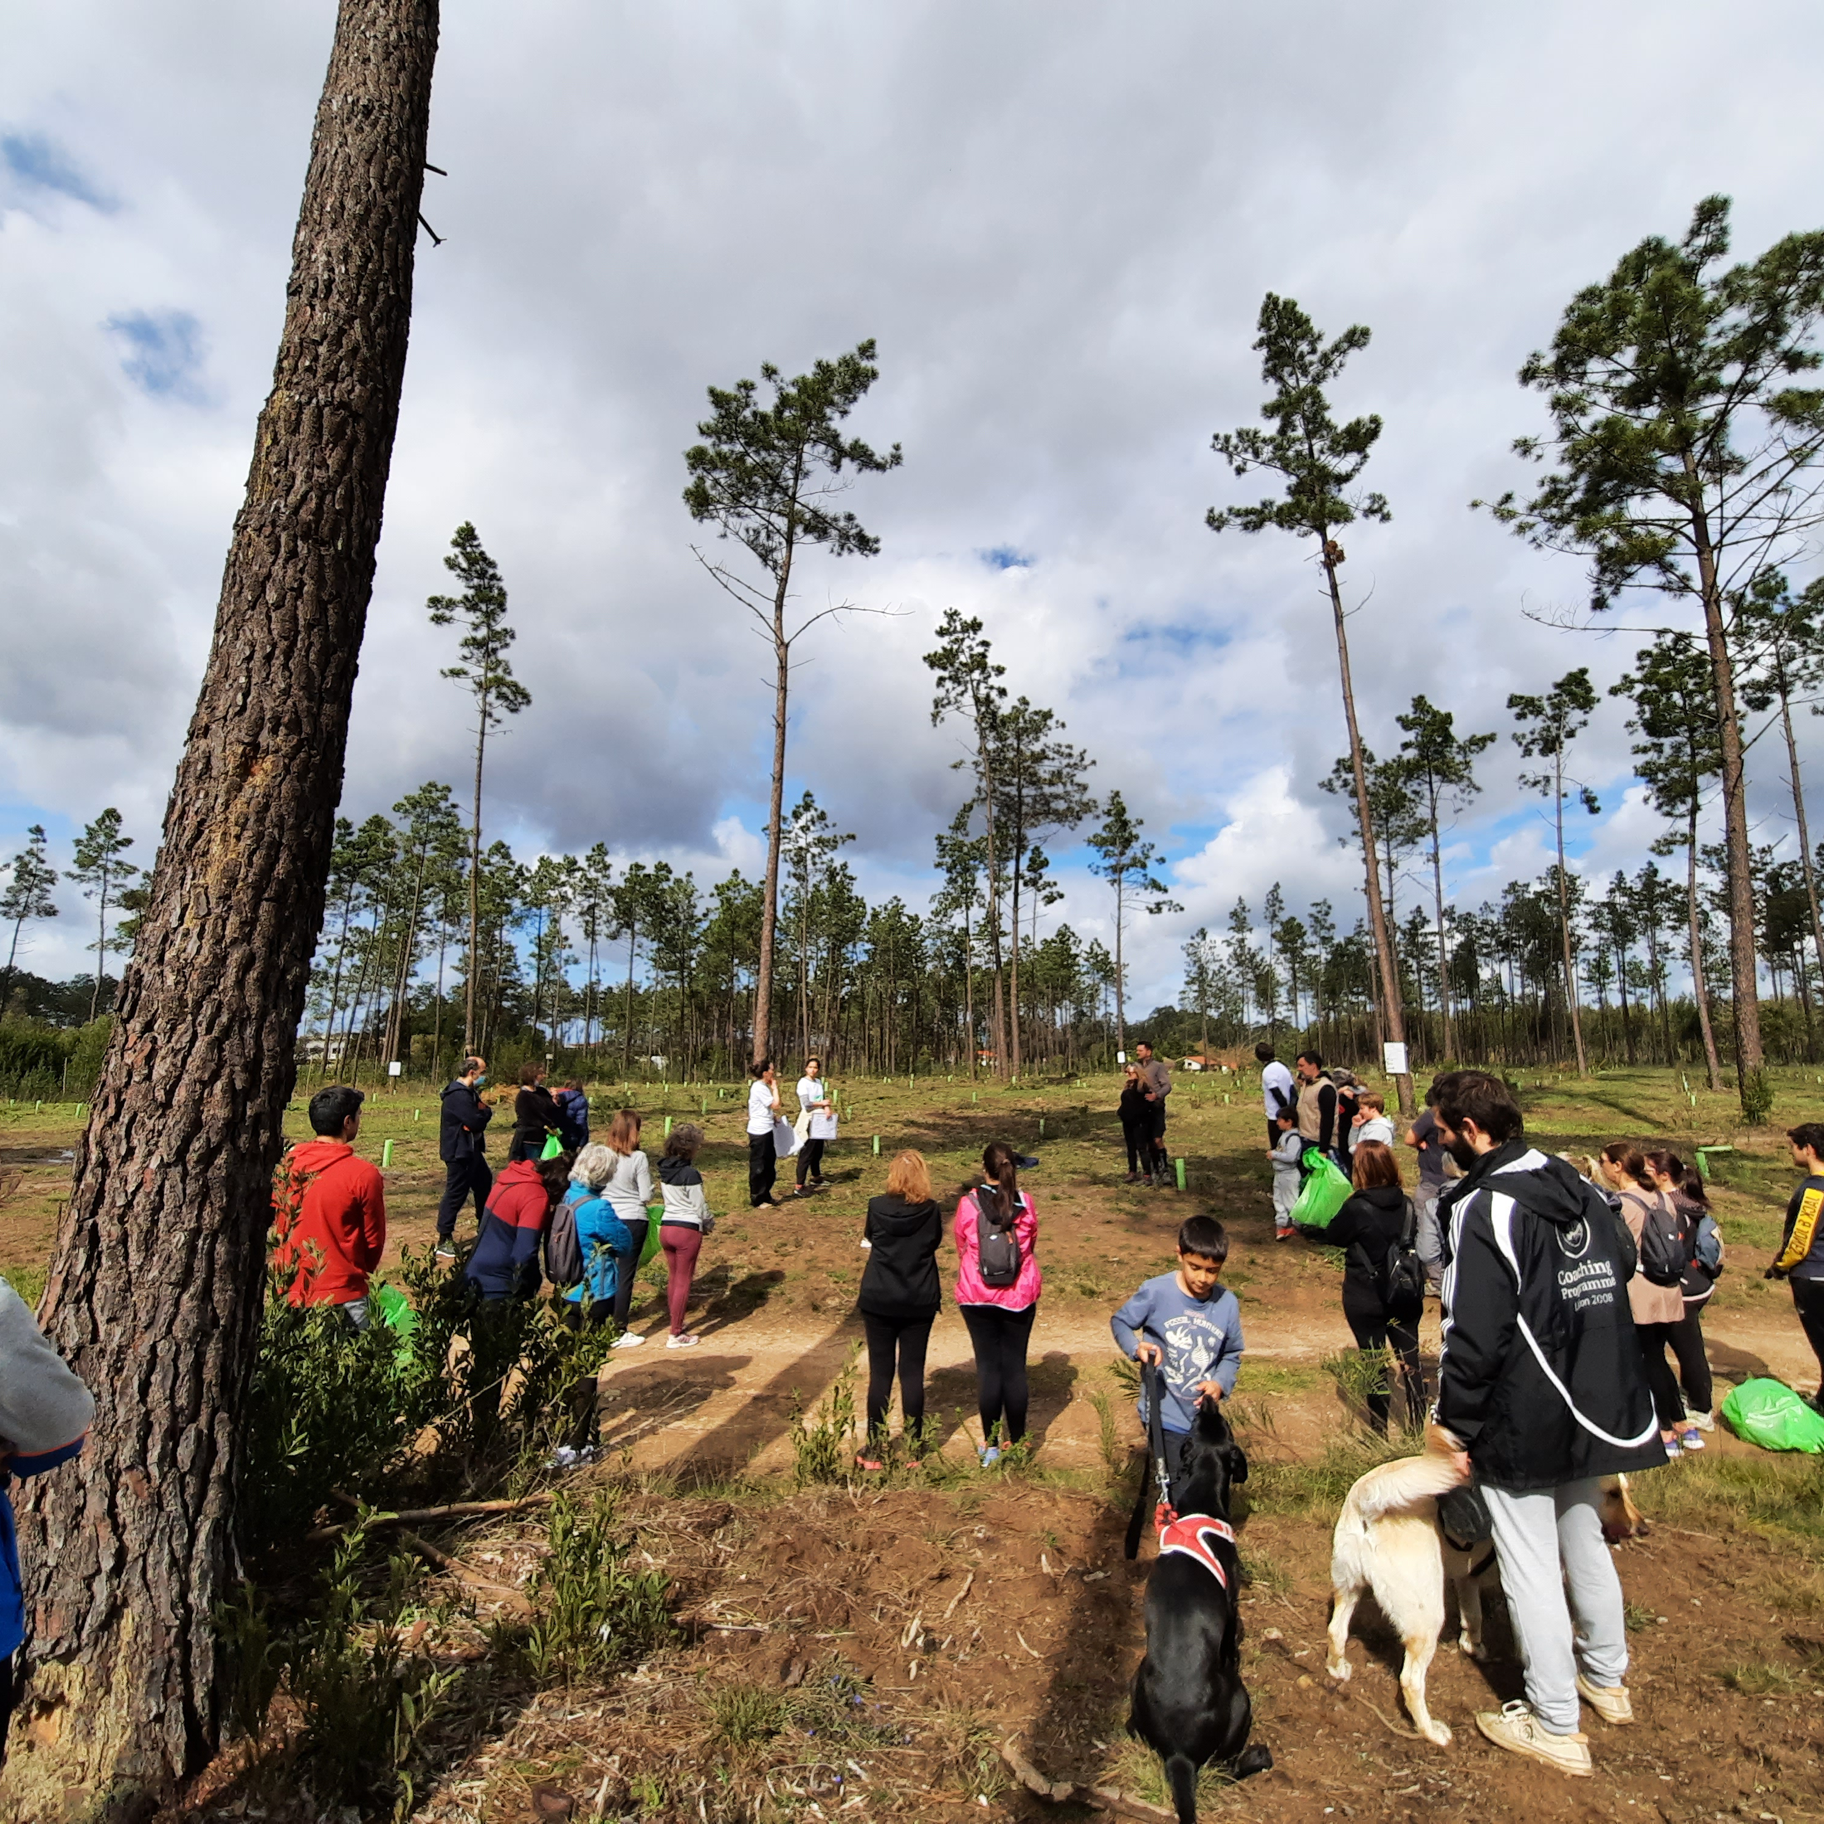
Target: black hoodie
x,y
901,1275
1541,1373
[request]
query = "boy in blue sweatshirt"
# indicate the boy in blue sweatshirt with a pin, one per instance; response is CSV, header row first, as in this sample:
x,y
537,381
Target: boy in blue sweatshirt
x,y
1189,1323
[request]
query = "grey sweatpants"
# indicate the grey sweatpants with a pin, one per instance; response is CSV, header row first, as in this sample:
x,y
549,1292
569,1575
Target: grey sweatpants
x,y
1545,1540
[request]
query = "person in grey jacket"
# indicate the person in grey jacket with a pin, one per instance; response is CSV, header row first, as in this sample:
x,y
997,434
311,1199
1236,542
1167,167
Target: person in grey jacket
x,y
682,1225
1155,1086
45,1415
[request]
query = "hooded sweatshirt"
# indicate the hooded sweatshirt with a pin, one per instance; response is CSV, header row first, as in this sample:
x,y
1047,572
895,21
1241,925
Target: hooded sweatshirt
x,y
1366,1226
1540,1374
900,1279
505,1261
461,1130
329,1208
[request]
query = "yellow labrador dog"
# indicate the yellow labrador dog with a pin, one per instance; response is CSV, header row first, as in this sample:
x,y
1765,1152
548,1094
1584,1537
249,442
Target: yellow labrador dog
x,y
1388,1543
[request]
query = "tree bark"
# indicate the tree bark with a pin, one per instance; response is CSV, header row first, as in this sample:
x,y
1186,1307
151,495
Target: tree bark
x,y
1699,990
154,1294
1571,996
1394,1014
775,829
474,968
1798,811
1744,984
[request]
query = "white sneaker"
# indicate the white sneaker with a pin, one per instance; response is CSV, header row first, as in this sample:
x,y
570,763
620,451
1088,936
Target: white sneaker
x,y
684,1341
1610,1702
627,1340
1704,1421
1515,1728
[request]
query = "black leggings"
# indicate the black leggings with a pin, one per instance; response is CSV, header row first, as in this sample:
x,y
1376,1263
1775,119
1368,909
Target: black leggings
x,y
1660,1378
906,1336
999,1338
1808,1301
810,1160
625,1267
1687,1339
1375,1331
1135,1136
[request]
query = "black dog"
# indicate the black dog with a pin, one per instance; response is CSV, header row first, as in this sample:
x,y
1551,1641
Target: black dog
x,y
1190,1705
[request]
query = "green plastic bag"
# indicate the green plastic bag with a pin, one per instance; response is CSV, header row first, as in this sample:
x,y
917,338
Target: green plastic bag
x,y
1770,1414
396,1311
651,1245
1325,1190
553,1146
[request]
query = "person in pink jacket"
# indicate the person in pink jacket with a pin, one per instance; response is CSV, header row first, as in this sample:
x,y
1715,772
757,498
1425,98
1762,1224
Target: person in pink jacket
x,y
997,1291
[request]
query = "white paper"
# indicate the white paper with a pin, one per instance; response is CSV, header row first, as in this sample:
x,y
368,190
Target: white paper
x,y
1393,1059
395,1068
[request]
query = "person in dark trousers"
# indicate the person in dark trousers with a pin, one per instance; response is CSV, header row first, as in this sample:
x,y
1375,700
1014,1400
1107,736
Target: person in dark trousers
x,y
1540,1380
535,1116
505,1262
899,1301
1136,1122
1658,1310
762,1114
1277,1090
1801,1255
1367,1227
1155,1086
462,1146
329,1210
998,1318
572,1102
1422,1136
1316,1103
1684,1186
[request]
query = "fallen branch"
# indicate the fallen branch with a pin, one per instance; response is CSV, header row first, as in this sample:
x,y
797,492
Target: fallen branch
x,y
504,1594
451,1510
1063,1792
1412,1735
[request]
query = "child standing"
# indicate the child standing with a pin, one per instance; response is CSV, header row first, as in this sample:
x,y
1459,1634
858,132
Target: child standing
x,y
1371,1121
1285,1153
1188,1323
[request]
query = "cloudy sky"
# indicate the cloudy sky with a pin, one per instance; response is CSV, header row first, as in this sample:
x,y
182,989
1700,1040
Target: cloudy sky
x,y
1057,221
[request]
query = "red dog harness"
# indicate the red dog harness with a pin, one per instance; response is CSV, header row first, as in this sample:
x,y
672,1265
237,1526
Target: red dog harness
x,y
1191,1535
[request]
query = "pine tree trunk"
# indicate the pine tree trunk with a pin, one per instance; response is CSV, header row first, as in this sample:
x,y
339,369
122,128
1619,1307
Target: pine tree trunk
x,y
1745,987
1394,1017
1571,996
1699,991
155,1290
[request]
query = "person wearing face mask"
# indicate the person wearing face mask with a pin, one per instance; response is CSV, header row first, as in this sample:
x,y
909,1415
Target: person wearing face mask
x,y
462,1145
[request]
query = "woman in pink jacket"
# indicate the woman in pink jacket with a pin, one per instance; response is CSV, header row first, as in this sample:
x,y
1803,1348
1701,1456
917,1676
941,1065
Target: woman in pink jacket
x,y
997,1291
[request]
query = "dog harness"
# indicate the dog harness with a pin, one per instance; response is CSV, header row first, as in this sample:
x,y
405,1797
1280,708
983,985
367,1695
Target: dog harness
x,y
1191,1534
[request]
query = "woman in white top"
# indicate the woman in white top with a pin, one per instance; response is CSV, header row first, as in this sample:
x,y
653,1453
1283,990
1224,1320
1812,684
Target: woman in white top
x,y
628,1193
818,1131
762,1155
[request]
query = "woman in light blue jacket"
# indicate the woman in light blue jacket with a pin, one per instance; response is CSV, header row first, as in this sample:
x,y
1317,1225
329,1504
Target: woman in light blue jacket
x,y
600,1234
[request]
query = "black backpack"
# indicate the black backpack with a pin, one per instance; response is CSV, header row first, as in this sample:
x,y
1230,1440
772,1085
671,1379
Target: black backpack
x,y
1402,1274
997,1248
1663,1249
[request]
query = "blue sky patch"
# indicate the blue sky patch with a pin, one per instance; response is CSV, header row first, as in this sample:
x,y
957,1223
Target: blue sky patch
x,y
39,163
1005,557
161,351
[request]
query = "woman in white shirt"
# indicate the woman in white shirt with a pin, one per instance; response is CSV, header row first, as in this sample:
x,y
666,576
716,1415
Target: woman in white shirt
x,y
818,1130
762,1155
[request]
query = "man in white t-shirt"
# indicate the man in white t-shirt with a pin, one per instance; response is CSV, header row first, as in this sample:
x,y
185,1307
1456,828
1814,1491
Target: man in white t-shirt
x,y
1277,1090
762,1155
816,1126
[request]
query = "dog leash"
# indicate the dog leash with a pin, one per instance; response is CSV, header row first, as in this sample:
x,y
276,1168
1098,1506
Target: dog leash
x,y
1154,1377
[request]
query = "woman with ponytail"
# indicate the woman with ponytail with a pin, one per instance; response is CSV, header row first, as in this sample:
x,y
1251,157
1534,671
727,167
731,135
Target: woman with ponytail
x,y
997,1291
1684,1185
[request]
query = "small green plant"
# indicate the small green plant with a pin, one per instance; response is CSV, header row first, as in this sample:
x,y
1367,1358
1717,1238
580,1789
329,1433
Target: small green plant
x,y
1636,1617
1757,1098
1268,1575
255,1661
1108,1435
590,1610
823,1447
742,1714
366,1689
1761,1678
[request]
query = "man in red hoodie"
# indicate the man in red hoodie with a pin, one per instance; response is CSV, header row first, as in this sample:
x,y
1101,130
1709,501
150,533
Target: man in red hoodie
x,y
329,1208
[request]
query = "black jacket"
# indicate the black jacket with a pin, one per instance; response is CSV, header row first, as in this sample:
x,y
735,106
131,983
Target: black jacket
x,y
900,1279
535,1116
1541,1373
1366,1226
462,1131
1133,1109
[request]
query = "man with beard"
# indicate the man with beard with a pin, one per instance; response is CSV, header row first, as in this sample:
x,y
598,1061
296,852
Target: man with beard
x,y
1540,1381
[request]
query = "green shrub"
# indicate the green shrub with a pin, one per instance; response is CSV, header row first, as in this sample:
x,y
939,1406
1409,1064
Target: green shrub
x,y
591,1611
823,1450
